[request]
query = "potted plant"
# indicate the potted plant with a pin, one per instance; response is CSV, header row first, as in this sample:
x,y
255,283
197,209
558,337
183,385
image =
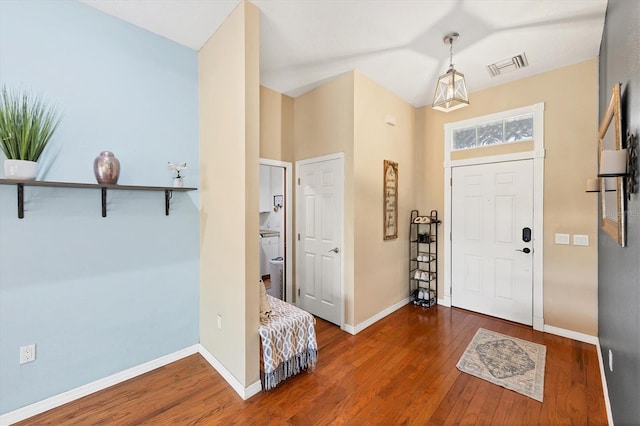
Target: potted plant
x,y
26,126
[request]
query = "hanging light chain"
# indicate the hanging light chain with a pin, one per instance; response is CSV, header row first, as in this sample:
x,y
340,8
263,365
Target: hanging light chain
x,y
450,53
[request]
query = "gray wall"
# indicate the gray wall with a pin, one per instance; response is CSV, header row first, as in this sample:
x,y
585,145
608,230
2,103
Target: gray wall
x,y
619,268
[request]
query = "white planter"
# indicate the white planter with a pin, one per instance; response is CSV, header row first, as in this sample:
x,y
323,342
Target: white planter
x,y
178,182
20,169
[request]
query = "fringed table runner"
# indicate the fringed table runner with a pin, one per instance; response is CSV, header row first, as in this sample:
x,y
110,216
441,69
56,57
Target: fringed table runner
x,y
288,343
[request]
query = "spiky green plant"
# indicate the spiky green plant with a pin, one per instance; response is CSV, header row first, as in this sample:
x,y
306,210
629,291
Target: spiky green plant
x,y
26,125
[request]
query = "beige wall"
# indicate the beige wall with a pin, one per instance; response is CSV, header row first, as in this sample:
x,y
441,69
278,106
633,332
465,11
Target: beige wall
x,y
570,98
229,143
276,125
347,115
323,124
380,267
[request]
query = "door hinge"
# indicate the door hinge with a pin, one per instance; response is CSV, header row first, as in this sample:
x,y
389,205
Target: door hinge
x,y
298,181
450,236
298,292
450,181
298,237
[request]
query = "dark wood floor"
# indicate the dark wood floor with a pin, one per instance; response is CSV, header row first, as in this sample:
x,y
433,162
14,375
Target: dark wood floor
x,y
401,370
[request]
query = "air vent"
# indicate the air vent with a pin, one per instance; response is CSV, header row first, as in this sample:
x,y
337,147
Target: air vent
x,y
508,65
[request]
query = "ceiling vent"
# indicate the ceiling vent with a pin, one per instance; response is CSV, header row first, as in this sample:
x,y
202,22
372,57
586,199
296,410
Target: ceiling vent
x,y
508,65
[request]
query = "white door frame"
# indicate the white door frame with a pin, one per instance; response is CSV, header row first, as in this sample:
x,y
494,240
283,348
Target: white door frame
x,y
537,154
336,156
288,208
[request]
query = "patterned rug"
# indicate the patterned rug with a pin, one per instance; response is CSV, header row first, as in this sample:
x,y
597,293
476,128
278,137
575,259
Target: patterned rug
x,y
506,361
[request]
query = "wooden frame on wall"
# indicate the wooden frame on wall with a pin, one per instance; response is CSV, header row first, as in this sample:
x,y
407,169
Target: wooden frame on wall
x,y
390,200
613,214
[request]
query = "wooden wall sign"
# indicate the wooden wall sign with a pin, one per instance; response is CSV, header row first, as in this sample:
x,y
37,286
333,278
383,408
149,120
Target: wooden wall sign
x,y
390,200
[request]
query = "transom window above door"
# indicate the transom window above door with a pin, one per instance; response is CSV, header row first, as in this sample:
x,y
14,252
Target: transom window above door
x,y
512,129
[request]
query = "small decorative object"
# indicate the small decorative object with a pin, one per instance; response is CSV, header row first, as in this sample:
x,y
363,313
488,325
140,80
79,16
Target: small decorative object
x,y
390,197
106,167
178,180
26,126
278,202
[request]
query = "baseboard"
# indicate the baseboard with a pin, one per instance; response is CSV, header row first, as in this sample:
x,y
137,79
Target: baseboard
x,y
349,329
98,385
245,393
605,388
377,317
581,337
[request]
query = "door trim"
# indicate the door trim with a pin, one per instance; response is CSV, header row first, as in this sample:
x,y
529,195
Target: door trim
x,y
288,208
336,156
537,155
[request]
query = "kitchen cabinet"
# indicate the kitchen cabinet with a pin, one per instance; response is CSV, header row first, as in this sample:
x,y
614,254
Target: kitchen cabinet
x,y
265,189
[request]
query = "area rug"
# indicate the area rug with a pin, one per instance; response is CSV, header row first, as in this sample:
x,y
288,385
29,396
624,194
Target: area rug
x,y
506,361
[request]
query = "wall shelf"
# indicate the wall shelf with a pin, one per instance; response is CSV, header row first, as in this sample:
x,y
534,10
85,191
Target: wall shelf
x,y
168,191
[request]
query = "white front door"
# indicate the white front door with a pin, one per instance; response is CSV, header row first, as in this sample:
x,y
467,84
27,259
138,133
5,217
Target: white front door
x,y
491,269
319,227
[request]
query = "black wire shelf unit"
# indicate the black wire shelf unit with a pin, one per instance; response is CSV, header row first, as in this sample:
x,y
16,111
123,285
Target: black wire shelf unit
x,y
423,258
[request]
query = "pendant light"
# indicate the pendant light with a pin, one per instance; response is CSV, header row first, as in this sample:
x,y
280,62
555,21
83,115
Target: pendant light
x,y
451,90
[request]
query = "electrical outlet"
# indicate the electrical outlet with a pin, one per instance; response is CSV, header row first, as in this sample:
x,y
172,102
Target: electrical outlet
x,y
610,360
219,322
27,353
580,240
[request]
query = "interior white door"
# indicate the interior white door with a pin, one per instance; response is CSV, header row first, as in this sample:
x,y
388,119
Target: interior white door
x,y
319,226
492,263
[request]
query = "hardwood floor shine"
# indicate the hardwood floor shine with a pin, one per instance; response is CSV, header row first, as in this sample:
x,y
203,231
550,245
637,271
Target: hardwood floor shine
x,y
401,370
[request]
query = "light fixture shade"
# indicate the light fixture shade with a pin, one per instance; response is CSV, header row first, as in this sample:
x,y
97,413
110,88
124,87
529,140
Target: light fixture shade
x,y
613,162
451,92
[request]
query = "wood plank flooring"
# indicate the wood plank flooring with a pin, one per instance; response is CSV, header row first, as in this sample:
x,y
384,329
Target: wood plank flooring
x,y
401,370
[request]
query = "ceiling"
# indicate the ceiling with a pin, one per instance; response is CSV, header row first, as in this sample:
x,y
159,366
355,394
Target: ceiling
x,y
397,43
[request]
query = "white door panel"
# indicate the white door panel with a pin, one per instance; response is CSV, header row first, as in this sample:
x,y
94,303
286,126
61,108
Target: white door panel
x,y
320,242
491,204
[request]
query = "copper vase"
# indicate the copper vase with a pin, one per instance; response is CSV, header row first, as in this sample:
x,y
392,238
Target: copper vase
x,y
106,167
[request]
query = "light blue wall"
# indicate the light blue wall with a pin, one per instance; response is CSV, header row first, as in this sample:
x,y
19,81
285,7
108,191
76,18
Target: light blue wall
x,y
97,295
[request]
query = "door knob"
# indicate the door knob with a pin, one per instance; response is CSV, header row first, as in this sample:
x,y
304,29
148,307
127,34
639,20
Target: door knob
x,y
524,250
335,250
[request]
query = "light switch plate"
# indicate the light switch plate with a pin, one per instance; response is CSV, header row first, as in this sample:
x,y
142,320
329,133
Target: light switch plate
x,y
580,240
562,239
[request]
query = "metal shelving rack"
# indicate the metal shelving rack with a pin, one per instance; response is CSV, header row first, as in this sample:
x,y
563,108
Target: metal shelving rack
x,y
423,258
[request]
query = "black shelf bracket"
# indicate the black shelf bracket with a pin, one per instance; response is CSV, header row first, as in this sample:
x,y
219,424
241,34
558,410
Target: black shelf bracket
x,y
20,201
167,196
104,201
